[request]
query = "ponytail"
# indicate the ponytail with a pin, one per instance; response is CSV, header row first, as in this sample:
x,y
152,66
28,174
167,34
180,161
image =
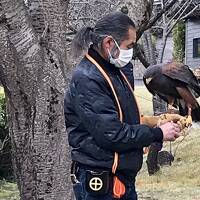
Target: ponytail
x,y
81,41
115,24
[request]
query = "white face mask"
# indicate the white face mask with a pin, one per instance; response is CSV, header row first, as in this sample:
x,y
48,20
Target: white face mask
x,y
125,56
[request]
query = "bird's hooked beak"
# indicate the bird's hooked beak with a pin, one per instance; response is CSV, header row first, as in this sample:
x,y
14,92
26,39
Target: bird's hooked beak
x,y
148,80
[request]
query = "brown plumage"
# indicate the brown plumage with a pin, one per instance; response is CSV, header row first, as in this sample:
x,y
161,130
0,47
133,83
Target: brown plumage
x,y
176,84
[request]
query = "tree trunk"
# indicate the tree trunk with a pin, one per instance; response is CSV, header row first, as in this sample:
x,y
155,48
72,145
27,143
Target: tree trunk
x,y
33,74
163,45
139,11
148,47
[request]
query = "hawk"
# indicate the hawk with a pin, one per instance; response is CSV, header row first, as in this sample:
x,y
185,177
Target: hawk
x,y
176,84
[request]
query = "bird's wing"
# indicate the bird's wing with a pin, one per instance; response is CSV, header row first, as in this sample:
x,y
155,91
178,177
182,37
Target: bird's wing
x,y
153,92
164,98
148,88
179,72
187,96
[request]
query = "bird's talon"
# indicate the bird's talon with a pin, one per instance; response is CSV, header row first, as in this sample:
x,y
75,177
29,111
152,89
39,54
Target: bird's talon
x,y
188,121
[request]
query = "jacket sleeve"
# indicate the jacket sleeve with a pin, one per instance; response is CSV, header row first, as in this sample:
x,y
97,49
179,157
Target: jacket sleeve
x,y
98,113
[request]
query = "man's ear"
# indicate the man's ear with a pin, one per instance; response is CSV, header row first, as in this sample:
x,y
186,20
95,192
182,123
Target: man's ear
x,y
108,43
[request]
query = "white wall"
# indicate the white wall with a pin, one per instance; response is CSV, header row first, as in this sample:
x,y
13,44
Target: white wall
x,y
192,31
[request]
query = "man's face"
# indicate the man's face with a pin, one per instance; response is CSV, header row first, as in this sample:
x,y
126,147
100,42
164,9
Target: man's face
x,y
127,43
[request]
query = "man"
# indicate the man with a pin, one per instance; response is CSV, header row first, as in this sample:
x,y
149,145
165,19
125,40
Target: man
x,y
102,117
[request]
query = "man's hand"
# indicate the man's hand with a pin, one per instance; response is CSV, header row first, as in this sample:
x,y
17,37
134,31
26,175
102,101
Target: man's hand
x,y
154,121
171,131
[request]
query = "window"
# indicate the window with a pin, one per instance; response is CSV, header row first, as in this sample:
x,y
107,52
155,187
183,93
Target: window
x,y
196,47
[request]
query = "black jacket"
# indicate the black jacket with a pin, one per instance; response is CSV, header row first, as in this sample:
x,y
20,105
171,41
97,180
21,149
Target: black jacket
x,y
91,117
128,71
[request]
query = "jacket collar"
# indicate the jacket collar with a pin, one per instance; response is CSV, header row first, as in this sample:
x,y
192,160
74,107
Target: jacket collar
x,y
107,66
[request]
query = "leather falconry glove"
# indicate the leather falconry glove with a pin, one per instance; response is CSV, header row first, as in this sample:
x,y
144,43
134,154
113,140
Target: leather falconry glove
x,y
154,121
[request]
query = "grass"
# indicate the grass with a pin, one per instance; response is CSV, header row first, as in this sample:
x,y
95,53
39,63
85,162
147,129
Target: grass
x,y
144,100
1,91
179,181
8,191
182,179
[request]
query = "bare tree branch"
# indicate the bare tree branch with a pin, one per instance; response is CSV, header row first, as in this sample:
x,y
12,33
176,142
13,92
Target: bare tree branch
x,y
22,29
195,8
4,142
159,15
140,55
179,12
172,25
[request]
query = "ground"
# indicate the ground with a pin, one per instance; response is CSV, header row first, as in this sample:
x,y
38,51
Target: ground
x,y
177,182
8,191
182,179
1,90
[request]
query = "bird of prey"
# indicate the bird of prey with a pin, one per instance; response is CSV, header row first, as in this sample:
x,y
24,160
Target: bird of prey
x,y
176,84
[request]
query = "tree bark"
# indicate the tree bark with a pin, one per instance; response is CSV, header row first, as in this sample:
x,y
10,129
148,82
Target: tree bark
x,y
149,49
34,76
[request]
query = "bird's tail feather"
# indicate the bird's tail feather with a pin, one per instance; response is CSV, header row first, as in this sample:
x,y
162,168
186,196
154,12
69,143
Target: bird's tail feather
x,y
196,114
196,88
183,110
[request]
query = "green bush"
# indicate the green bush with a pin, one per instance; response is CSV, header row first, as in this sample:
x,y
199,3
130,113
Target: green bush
x,y
179,41
6,171
3,118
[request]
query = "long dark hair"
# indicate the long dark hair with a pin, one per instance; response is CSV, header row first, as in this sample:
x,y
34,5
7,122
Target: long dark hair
x,y
115,24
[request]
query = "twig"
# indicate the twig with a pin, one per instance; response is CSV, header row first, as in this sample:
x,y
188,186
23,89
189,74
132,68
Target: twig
x,y
45,31
179,145
4,142
173,25
159,15
195,8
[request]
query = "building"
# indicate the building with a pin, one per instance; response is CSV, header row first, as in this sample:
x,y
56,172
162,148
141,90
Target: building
x,y
192,40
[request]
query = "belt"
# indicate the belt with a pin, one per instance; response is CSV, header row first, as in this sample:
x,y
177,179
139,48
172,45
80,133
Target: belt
x,y
88,167
75,166
73,172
